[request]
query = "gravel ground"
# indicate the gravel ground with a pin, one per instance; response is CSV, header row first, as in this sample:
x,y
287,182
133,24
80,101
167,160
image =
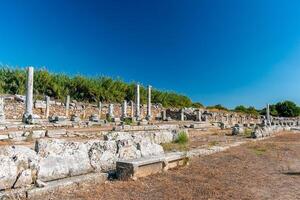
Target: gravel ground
x,y
267,169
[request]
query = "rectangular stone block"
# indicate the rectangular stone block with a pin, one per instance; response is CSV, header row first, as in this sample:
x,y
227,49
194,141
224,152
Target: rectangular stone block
x,y
136,168
3,137
56,133
15,134
38,134
65,184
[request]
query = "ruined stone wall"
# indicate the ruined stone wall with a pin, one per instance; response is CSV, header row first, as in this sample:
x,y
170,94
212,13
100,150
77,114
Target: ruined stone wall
x,y
15,109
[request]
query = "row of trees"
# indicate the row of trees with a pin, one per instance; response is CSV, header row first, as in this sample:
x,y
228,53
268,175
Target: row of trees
x,y
105,89
280,109
88,89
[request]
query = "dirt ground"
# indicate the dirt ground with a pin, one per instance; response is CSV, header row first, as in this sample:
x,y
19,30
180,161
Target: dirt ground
x,y
267,169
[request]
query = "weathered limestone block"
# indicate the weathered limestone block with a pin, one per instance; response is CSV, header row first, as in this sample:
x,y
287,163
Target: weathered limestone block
x,y
60,159
24,179
128,152
40,104
38,134
149,148
237,130
164,136
15,134
18,166
8,172
103,155
56,133
4,137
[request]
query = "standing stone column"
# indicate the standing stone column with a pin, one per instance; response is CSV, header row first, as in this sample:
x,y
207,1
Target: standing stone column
x,y
198,115
111,111
132,109
124,109
149,102
100,109
2,113
182,114
164,115
29,95
268,114
137,102
67,105
47,107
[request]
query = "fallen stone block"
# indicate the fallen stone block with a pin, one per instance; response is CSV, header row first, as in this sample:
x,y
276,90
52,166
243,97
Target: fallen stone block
x,y
38,134
60,159
66,184
56,133
136,168
15,134
175,159
4,137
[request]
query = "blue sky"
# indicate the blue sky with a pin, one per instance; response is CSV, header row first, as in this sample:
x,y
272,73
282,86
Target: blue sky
x,y
223,51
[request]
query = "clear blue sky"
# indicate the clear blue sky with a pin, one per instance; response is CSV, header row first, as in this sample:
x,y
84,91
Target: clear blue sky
x,y
223,51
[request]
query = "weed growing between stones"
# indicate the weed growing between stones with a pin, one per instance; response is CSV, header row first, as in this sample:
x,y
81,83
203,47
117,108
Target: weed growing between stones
x,y
182,138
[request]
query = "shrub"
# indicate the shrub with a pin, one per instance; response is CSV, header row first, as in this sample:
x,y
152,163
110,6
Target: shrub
x,y
127,121
182,138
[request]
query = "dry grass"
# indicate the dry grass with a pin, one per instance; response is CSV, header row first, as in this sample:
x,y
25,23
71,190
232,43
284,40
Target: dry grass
x,y
259,170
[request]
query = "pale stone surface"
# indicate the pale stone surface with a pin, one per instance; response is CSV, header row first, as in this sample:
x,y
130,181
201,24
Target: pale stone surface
x,y
60,158
47,111
8,172
137,102
111,111
149,114
56,133
17,162
38,134
65,184
29,95
102,155
2,113
4,137
124,109
149,148
67,105
24,179
15,134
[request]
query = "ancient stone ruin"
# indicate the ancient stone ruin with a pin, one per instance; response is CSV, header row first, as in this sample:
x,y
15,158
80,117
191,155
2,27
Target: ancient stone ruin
x,y
46,144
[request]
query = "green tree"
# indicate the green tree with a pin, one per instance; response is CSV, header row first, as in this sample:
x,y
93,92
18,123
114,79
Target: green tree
x,y
287,109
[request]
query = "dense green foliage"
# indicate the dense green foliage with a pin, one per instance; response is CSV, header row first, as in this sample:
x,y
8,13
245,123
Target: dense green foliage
x,y
247,110
283,109
218,106
88,89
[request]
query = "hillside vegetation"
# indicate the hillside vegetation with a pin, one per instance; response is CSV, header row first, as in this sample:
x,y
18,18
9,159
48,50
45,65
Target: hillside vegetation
x,y
81,88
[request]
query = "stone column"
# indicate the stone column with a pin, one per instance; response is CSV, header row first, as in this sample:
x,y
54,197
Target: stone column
x,y
164,115
198,115
132,109
111,110
99,109
29,94
47,107
268,117
137,102
149,102
67,105
124,109
182,114
84,111
2,113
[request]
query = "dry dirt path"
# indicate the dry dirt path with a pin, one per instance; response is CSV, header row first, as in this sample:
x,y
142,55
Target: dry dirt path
x,y
266,169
